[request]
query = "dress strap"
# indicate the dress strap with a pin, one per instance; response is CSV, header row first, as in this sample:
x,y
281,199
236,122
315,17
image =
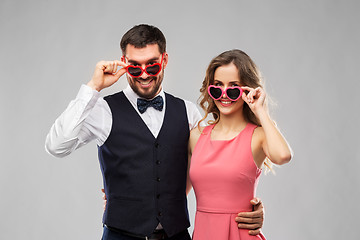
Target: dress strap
x,y
208,129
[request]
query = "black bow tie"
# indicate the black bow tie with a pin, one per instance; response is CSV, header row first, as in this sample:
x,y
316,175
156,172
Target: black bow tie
x,y
143,104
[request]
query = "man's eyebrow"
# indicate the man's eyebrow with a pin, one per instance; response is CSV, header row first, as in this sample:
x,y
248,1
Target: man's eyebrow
x,y
148,61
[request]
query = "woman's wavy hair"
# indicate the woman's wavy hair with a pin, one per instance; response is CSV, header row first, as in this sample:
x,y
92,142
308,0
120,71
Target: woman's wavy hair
x,y
249,75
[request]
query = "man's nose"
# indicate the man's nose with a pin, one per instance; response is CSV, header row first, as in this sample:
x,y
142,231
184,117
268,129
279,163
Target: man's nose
x,y
144,75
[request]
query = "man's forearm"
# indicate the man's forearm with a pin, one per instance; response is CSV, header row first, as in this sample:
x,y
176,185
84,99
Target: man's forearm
x,y
68,133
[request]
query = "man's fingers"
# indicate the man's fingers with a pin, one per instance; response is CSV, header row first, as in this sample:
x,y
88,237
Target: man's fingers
x,y
248,219
254,214
111,66
104,196
121,72
114,66
249,226
255,201
105,204
120,63
254,232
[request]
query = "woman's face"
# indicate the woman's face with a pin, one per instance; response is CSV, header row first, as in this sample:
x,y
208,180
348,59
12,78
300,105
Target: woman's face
x,y
224,77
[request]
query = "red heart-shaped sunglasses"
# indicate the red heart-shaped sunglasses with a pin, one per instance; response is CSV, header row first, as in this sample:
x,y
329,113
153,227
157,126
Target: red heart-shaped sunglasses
x,y
151,70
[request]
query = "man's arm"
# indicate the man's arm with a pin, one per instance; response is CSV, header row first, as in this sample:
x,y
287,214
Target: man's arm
x,y
86,117
70,130
252,220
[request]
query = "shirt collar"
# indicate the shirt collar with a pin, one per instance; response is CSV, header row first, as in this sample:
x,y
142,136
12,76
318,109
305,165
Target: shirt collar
x,y
132,96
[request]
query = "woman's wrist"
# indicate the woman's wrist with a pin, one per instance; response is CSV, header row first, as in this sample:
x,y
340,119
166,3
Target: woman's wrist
x,y
262,115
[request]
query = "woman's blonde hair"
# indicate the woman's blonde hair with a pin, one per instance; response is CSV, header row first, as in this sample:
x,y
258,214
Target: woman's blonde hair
x,y
249,75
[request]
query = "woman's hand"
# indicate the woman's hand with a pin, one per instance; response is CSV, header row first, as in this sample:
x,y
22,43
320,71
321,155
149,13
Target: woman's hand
x,y
255,98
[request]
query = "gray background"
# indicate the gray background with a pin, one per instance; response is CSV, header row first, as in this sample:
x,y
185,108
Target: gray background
x,y
308,52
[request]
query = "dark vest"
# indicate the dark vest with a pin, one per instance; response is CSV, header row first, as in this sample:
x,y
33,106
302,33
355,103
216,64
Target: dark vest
x,y
145,177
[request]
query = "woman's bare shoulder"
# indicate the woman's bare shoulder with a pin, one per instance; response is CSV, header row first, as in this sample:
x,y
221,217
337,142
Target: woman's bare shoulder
x,y
195,135
196,132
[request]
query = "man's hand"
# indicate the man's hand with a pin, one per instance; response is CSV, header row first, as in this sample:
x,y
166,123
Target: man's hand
x,y
252,220
106,73
104,198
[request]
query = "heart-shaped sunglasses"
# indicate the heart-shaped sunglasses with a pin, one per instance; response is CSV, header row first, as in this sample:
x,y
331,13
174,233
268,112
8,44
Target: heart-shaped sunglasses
x,y
232,93
151,70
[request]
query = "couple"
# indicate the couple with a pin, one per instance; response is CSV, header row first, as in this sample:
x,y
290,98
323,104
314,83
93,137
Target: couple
x,y
144,140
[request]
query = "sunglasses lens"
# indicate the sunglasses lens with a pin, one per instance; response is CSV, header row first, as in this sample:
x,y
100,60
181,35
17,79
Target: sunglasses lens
x,y
233,93
215,92
134,71
153,70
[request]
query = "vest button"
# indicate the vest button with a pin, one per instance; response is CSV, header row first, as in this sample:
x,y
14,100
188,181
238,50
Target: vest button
x,y
157,145
158,162
158,179
158,196
160,214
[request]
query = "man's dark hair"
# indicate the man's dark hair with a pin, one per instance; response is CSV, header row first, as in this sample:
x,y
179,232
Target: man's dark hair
x,y
142,35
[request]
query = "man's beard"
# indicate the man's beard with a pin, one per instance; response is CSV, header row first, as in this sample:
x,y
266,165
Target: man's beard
x,y
152,91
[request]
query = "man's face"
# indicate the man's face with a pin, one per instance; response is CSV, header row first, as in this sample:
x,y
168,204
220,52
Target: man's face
x,y
145,86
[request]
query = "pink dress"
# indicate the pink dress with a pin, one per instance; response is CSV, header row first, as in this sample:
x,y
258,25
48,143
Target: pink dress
x,y
224,177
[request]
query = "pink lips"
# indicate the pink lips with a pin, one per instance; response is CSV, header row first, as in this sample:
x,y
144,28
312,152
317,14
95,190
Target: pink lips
x,y
225,104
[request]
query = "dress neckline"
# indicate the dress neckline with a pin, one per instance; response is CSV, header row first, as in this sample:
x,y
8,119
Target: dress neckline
x,y
226,140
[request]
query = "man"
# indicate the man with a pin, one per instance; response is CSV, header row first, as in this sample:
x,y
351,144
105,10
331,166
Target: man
x,y
142,136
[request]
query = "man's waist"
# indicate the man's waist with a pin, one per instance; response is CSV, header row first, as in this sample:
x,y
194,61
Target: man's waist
x,y
156,234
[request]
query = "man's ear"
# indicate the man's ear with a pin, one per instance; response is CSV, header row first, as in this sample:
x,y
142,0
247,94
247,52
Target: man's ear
x,y
166,59
122,59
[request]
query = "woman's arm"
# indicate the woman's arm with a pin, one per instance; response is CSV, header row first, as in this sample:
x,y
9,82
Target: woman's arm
x,y
194,137
273,143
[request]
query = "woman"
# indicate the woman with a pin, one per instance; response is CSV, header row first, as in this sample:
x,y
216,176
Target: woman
x,y
227,155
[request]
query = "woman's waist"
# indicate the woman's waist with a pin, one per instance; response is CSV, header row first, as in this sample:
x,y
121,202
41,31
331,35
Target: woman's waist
x,y
224,201
223,210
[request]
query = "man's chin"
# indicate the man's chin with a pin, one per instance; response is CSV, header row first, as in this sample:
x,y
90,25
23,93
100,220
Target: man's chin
x,y
145,89
146,93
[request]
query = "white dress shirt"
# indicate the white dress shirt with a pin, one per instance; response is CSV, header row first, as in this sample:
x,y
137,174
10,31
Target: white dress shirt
x,y
88,117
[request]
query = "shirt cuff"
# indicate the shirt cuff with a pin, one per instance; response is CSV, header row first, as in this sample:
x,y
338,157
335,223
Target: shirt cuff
x,y
88,94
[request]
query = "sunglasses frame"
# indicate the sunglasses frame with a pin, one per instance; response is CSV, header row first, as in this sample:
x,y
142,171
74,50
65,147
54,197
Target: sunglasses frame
x,y
147,66
225,91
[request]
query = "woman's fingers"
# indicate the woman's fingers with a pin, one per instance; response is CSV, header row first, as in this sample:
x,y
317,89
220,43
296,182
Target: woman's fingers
x,y
253,94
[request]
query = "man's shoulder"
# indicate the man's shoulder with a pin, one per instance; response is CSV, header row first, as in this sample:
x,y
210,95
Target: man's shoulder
x,y
114,95
187,103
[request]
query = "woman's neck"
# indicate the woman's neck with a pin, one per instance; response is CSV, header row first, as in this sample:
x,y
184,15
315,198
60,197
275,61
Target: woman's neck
x,y
230,123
